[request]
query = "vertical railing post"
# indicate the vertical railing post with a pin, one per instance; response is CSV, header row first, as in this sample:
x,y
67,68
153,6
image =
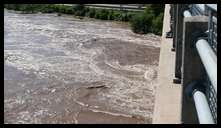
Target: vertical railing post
x,y
174,26
179,39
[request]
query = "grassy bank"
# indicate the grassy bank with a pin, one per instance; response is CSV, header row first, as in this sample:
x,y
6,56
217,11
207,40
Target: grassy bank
x,y
149,21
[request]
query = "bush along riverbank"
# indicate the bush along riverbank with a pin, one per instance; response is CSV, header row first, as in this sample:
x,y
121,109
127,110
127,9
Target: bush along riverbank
x,y
149,21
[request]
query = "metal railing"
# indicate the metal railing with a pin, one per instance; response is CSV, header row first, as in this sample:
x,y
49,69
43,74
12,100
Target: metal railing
x,y
212,28
211,91
125,7
206,47
211,11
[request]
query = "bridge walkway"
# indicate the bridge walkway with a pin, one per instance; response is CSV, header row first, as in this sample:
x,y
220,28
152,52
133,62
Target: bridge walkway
x,y
168,95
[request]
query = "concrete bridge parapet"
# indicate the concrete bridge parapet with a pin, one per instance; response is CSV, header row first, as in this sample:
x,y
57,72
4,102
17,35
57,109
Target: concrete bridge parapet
x,y
193,29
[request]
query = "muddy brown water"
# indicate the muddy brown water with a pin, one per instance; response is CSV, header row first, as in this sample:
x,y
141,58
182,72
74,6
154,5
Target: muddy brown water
x,y
60,69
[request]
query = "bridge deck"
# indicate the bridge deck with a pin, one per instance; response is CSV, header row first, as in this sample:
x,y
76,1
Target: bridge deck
x,y
168,95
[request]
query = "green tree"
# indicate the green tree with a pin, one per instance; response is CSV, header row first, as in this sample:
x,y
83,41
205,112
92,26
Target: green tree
x,y
141,23
158,24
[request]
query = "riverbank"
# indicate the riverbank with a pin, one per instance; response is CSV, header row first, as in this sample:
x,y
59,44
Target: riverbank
x,y
78,10
149,21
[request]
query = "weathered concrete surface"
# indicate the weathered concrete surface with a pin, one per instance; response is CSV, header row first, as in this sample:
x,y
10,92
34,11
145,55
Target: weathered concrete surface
x,y
67,70
168,95
192,68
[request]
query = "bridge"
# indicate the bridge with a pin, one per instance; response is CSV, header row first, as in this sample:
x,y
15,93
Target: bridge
x,y
187,90
125,7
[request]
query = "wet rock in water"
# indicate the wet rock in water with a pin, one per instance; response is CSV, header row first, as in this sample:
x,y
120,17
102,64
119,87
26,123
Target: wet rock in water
x,y
97,86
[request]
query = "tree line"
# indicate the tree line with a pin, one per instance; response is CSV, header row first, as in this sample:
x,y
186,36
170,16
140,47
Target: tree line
x,y
148,21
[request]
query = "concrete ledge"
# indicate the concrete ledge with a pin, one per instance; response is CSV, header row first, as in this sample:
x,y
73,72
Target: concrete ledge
x,y
168,96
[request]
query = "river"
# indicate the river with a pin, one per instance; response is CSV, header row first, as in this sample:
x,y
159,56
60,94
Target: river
x,y
61,69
